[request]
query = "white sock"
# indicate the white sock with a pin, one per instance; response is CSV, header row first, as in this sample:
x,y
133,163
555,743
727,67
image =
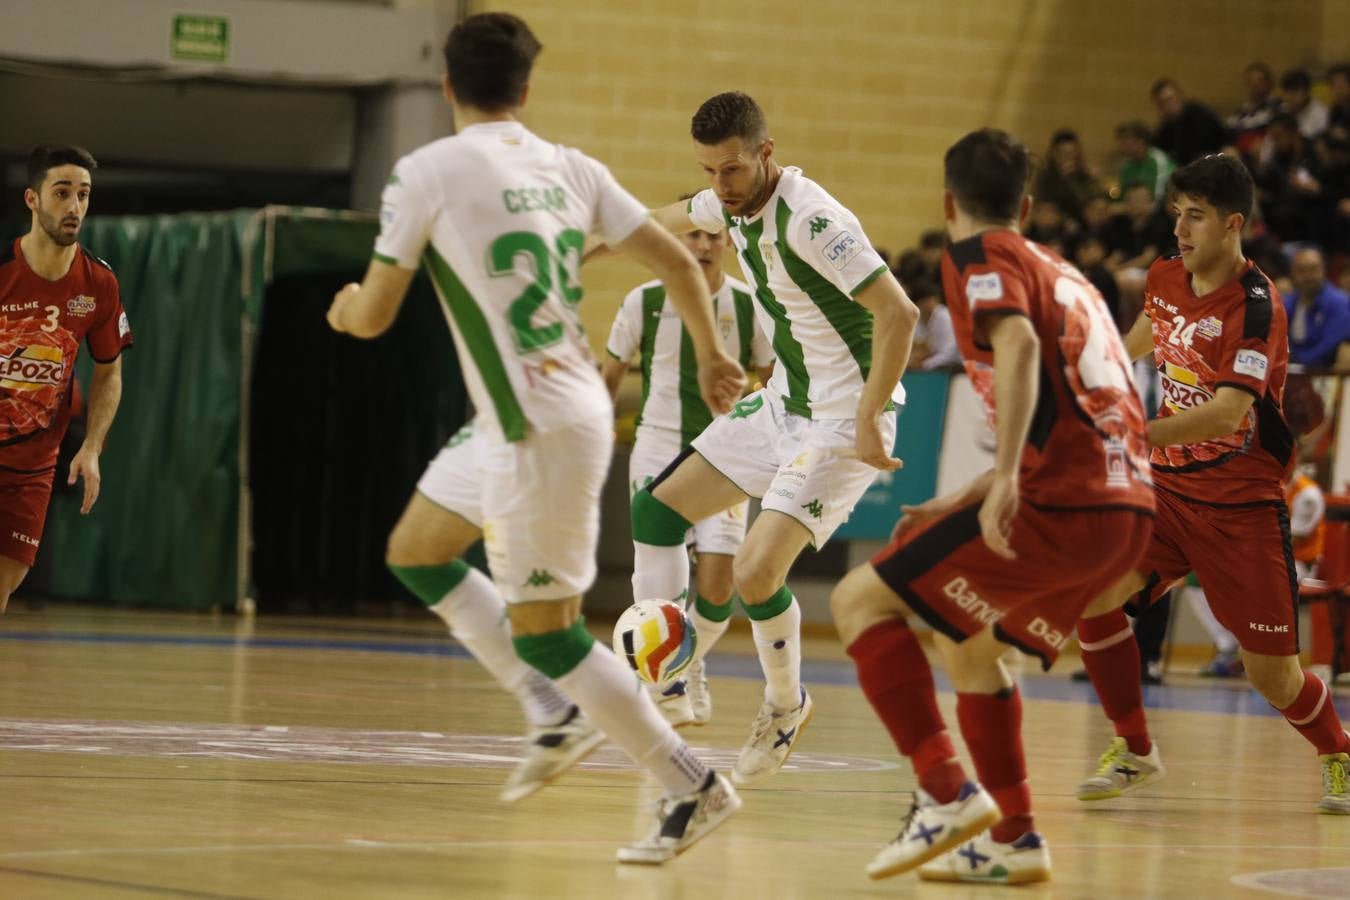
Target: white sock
x,y
660,573
609,693
779,644
708,631
1223,638
476,614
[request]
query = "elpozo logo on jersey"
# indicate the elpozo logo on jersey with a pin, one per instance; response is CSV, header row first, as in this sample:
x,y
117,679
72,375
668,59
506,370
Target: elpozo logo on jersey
x,y
81,305
32,368
1181,388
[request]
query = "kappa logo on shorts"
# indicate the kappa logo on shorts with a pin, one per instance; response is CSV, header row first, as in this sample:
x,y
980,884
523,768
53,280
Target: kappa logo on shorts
x,y
814,508
540,578
460,436
748,407
1273,629
959,589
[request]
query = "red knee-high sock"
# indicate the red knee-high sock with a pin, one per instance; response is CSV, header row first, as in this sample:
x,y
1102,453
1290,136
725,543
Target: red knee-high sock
x,y
1322,646
1111,657
897,680
992,727
1313,715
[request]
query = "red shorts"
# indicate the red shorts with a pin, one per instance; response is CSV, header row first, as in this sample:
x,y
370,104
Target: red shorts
x,y
1065,559
23,512
1243,557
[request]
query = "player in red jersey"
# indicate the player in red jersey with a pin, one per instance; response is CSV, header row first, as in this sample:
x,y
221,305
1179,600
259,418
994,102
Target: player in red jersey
x,y
1016,555
1221,456
53,295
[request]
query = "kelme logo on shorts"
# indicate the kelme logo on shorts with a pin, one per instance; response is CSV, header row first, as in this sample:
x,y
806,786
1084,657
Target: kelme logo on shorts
x,y
747,407
539,578
814,508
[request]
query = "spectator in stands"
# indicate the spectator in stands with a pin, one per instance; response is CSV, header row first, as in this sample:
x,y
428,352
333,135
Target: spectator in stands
x,y
1049,226
925,261
1142,163
1090,257
1140,233
1065,178
934,340
1338,80
1296,91
1187,129
1289,193
1319,312
1248,123
1333,177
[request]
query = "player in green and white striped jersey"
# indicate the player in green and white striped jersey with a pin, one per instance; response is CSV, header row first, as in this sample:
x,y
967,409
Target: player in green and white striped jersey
x,y
811,442
499,217
671,416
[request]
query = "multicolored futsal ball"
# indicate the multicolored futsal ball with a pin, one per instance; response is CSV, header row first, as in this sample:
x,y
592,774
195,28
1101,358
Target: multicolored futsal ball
x,y
656,638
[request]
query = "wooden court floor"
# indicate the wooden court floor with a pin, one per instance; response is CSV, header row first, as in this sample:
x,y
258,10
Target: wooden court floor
x,y
151,755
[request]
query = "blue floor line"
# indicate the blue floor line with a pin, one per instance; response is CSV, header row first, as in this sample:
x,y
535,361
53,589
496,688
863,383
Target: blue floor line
x,y
1170,697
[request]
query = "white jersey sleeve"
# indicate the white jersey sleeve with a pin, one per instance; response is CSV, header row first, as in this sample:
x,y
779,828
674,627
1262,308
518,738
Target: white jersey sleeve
x,y
625,335
761,350
617,213
407,211
830,240
705,211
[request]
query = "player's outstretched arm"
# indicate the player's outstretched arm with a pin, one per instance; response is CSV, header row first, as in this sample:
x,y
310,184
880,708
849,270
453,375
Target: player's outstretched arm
x,y
1212,419
366,310
1139,339
894,316
1016,387
720,377
611,372
673,218
105,395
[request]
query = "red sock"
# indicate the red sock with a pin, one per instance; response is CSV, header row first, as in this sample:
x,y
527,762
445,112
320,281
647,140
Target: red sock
x,y
1313,715
1111,657
992,727
897,680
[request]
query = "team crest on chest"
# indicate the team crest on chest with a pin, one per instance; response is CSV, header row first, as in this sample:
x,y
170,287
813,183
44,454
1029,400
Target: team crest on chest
x,y
766,251
82,305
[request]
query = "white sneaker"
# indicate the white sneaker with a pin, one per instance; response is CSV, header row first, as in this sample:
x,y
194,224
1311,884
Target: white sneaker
x,y
773,734
682,820
986,861
551,750
674,703
696,685
1119,771
931,829
1335,784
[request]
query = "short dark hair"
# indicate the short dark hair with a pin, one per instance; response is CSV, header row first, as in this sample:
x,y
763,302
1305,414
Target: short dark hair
x,y
1340,70
488,58
932,239
1220,180
45,157
987,172
728,115
1063,136
1261,67
1135,129
1296,80
1160,85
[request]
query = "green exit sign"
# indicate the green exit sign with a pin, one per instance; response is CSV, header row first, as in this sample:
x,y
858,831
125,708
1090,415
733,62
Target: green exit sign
x,y
200,38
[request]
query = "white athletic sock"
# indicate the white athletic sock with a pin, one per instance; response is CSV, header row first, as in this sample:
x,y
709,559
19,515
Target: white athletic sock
x,y
608,692
1223,638
779,644
708,631
476,614
660,573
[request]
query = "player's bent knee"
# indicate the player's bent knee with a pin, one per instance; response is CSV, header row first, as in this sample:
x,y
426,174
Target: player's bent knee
x,y
656,523
555,653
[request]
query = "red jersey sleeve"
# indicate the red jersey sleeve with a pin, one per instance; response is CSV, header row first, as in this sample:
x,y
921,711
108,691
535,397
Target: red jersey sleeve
x,y
111,332
1254,338
990,281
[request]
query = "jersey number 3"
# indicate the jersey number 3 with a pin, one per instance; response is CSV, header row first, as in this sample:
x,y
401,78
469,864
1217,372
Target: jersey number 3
x,y
553,269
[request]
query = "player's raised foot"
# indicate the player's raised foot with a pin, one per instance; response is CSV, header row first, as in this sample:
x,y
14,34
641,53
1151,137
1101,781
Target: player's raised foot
x,y
550,751
1335,784
682,820
696,685
674,703
986,861
930,829
773,734
1119,771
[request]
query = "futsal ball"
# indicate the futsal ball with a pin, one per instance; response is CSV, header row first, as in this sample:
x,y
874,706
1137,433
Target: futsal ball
x,y
656,638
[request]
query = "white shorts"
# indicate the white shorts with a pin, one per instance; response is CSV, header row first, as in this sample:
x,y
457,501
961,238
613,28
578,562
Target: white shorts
x,y
537,502
654,450
793,464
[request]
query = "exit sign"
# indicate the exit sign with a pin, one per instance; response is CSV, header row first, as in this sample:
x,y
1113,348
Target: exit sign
x,y
200,38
